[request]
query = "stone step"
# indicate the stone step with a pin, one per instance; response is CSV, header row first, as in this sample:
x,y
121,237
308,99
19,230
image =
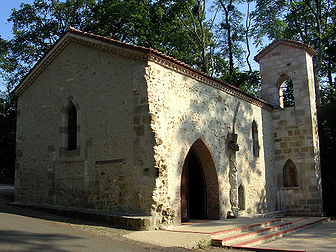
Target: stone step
x,y
268,215
255,234
259,234
230,238
230,232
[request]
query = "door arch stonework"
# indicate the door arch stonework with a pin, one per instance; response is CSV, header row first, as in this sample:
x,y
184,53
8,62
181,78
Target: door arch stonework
x,y
210,178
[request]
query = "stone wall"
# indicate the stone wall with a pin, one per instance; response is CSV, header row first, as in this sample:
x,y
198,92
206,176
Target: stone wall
x,y
295,128
112,166
184,110
138,115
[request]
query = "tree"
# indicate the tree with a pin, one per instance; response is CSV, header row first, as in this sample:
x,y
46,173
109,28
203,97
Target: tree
x,y
247,32
327,135
231,32
154,24
7,137
127,21
312,22
36,27
303,20
328,67
194,20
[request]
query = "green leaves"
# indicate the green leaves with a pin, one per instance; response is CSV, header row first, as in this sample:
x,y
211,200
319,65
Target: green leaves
x,y
7,137
303,20
36,27
185,30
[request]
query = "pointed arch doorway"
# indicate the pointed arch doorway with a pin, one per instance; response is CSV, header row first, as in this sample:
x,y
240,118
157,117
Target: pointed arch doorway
x,y
199,185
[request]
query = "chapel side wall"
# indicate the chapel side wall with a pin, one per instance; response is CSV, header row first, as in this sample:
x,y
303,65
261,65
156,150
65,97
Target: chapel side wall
x,y
107,169
184,110
295,128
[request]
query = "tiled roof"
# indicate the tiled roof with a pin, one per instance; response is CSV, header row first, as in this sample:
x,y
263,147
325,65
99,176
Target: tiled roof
x,y
150,54
125,45
287,42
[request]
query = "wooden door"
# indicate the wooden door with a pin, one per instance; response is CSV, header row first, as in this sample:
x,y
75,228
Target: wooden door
x,y
184,192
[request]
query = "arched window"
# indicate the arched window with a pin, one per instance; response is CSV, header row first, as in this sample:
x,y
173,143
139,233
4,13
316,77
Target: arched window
x,y
241,197
290,174
72,127
255,139
286,92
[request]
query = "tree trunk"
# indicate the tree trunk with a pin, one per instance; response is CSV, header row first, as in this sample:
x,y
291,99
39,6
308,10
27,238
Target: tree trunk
x,y
247,37
228,28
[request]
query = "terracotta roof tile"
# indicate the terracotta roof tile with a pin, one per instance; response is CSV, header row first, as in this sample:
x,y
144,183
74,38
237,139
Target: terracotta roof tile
x,y
148,51
151,51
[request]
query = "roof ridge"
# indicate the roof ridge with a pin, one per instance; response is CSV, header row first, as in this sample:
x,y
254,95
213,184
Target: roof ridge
x,y
288,42
151,53
157,52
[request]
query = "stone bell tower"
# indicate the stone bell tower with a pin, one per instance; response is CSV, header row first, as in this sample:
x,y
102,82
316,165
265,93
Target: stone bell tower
x,y
287,82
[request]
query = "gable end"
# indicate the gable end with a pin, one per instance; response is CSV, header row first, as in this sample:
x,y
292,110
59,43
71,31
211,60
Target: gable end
x,y
287,42
134,52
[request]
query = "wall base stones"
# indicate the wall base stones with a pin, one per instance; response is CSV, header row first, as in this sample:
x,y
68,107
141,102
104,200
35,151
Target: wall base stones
x,y
107,218
137,119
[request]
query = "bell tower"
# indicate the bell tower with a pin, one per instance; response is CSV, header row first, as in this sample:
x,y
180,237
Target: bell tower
x,y
287,83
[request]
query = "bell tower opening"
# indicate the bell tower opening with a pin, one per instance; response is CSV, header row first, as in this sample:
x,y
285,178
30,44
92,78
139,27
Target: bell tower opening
x,y
286,92
288,84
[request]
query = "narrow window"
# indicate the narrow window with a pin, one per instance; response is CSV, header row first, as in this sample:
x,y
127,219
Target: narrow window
x,y
241,197
255,139
290,174
72,127
286,93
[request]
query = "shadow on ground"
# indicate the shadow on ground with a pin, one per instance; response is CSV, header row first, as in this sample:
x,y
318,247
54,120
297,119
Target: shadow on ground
x,y
6,206
34,241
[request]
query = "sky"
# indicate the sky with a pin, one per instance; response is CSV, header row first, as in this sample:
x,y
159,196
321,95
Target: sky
x,y
5,26
5,10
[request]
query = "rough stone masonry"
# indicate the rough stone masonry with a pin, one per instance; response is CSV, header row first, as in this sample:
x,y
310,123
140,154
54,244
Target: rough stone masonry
x,y
137,113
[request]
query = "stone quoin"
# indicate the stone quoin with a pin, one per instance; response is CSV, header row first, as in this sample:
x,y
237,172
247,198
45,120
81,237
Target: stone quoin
x,y
129,131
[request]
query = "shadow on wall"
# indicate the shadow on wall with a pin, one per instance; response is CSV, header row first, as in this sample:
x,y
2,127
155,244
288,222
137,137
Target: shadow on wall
x,y
211,122
269,195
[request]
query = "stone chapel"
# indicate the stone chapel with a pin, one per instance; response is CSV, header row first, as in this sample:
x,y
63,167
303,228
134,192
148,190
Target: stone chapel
x,y
136,134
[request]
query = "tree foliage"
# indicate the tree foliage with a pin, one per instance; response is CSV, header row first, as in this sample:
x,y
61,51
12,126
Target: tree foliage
x,y
35,28
212,36
314,23
7,137
189,30
311,22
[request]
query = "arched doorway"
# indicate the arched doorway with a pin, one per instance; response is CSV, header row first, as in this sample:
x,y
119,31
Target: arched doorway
x,y
193,196
199,185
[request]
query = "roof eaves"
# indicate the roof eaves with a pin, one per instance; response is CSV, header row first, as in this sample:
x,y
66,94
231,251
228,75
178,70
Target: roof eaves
x,y
287,42
148,52
21,86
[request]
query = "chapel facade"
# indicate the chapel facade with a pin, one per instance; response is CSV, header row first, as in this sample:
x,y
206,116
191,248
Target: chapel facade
x,y
129,131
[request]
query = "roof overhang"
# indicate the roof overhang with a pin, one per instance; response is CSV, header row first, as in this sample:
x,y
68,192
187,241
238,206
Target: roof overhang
x,y
134,52
287,42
